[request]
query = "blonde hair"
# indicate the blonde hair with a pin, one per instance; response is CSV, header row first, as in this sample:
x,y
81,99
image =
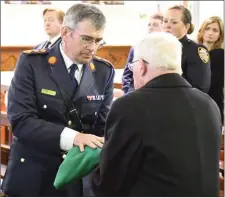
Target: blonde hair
x,y
60,13
213,19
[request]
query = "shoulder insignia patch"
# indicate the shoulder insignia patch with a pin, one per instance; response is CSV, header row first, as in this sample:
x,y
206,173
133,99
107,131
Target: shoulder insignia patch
x,y
35,51
103,60
203,54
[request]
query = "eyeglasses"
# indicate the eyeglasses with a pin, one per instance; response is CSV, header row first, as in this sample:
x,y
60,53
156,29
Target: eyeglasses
x,y
131,65
87,40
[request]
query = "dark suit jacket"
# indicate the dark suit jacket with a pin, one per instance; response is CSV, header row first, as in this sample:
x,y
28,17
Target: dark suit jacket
x,y
161,140
38,119
43,44
216,90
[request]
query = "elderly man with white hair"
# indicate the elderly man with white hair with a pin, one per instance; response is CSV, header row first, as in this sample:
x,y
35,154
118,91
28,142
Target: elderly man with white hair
x,y
163,139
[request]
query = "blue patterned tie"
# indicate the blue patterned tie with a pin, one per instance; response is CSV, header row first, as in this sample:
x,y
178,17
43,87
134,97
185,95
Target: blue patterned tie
x,y
73,68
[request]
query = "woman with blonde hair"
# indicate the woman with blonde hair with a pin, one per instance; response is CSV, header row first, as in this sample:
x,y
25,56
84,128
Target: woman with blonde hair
x,y
211,34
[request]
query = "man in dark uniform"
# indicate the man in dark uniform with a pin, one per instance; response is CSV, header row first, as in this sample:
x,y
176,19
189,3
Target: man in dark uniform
x,y
58,98
163,139
53,20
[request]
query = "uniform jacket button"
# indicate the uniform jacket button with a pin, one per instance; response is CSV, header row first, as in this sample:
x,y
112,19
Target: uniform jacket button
x,y
70,123
64,156
22,160
45,106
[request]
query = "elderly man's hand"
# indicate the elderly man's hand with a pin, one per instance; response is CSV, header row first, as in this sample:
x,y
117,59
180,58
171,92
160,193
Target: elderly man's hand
x,y
90,140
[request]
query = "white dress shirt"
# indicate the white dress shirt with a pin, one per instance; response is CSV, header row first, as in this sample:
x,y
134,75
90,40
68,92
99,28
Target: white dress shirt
x,y
68,135
53,40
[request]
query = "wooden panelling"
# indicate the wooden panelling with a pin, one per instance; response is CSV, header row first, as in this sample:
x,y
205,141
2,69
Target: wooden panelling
x,y
117,55
9,56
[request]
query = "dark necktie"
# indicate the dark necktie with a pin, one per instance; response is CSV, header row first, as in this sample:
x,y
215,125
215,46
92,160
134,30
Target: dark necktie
x,y
73,68
48,44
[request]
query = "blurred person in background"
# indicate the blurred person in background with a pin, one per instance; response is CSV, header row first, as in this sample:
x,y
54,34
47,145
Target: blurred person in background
x,y
211,35
53,20
154,25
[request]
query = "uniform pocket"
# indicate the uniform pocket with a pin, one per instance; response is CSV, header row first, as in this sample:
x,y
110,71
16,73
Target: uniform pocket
x,y
90,108
51,104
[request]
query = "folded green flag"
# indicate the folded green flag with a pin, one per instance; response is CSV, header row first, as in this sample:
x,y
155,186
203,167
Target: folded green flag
x,y
76,165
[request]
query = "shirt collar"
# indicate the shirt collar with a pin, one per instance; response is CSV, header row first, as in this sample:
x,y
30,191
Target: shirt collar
x,y
54,39
67,60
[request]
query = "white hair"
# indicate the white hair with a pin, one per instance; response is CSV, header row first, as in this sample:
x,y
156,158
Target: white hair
x,y
161,50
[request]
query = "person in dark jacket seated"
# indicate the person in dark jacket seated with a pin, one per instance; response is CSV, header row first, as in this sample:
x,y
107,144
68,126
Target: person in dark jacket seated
x,y
163,139
211,34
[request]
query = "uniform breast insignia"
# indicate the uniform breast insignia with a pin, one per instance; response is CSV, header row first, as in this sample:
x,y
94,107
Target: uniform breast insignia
x,y
48,92
95,97
203,54
52,60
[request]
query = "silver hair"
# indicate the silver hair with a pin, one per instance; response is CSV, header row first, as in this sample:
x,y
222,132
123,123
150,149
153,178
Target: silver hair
x,y
161,50
84,11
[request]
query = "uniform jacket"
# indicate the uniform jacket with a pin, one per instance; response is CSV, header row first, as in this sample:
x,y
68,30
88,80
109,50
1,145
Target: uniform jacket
x,y
38,114
161,140
127,79
196,64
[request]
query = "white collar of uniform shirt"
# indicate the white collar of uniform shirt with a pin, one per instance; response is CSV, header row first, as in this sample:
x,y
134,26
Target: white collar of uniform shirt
x,y
54,39
69,62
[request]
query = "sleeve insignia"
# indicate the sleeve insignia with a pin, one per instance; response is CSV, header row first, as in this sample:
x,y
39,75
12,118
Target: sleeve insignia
x,y
203,54
52,60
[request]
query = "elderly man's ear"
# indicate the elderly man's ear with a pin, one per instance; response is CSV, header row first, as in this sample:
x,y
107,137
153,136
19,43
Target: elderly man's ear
x,y
143,68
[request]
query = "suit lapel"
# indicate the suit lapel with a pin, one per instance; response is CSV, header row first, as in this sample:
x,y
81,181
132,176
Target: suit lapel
x,y
59,71
86,83
58,40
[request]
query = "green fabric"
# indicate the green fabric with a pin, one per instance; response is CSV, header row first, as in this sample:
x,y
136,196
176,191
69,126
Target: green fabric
x,y
76,165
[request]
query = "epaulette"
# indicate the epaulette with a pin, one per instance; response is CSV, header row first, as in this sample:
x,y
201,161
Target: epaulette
x,y
35,51
103,60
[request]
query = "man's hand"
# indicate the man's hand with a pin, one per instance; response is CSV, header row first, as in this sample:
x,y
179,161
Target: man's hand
x,y
90,140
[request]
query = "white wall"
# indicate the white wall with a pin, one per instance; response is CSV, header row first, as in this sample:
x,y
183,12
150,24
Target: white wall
x,y
23,25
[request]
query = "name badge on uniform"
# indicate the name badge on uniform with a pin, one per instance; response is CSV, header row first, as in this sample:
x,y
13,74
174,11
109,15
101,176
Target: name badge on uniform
x,y
48,92
95,97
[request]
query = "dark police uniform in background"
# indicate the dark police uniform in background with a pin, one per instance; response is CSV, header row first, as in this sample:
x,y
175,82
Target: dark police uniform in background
x,y
195,66
38,115
127,79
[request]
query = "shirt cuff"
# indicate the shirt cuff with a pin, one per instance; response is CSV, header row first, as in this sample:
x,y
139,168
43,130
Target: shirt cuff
x,y
67,138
